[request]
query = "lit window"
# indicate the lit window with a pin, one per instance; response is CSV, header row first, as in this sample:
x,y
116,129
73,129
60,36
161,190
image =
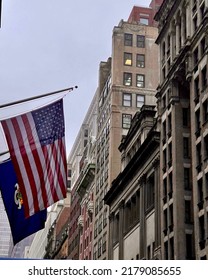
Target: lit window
x,y
140,41
140,60
126,121
140,81
139,100
128,59
128,39
127,99
127,79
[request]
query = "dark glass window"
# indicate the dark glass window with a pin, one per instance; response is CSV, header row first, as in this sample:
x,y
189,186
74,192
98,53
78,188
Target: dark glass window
x,y
140,60
140,41
128,39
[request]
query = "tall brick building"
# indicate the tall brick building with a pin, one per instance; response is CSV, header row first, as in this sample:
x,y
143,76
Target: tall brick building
x,y
127,81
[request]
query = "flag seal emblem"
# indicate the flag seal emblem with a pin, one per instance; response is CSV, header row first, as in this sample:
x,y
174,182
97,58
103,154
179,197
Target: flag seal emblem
x,y
18,196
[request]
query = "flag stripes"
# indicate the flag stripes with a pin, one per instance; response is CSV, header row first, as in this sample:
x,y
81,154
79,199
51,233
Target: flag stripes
x,y
40,164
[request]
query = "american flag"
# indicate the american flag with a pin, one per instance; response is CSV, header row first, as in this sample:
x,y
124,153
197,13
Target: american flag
x,y
36,142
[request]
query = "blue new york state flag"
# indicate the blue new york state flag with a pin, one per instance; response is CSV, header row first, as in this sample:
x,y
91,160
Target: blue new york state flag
x,y
21,227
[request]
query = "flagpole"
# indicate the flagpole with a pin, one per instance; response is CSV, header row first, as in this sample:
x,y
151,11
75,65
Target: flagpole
x,y
36,97
4,153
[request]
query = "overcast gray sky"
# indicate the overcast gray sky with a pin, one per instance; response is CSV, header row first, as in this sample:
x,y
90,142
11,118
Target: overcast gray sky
x,y
48,45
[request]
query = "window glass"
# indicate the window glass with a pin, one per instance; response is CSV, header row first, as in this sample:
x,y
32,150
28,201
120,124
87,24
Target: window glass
x,y
144,21
127,79
139,100
140,41
128,39
140,62
140,80
126,120
128,59
127,99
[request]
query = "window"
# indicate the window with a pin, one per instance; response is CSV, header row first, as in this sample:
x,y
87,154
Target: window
x,y
127,79
203,46
126,121
96,229
139,100
116,229
206,147
105,217
185,147
196,90
164,159
204,78
140,81
196,58
172,248
170,185
198,157
140,60
185,117
201,233
195,19
127,99
187,184
100,225
189,247
96,206
202,11
95,253
188,218
164,132
144,21
128,39
205,111
140,41
165,221
198,123
150,193
170,154
104,242
128,59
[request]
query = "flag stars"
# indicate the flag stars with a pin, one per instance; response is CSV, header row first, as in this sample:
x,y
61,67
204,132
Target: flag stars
x,y
49,123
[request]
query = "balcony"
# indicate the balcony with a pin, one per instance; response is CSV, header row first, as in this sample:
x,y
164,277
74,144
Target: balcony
x,y
86,178
90,207
80,221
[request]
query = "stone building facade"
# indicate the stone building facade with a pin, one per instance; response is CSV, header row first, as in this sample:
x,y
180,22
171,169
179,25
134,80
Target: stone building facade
x,y
134,195
127,81
182,109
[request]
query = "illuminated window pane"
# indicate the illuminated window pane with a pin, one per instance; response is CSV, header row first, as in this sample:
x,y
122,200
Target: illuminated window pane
x,y
128,59
127,79
140,81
